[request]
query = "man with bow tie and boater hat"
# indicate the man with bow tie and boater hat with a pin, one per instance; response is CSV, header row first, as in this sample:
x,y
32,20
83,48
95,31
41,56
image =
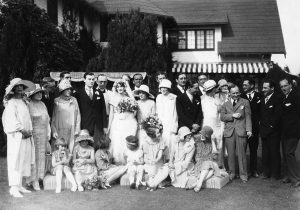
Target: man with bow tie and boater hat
x,y
255,100
270,130
290,131
236,113
92,108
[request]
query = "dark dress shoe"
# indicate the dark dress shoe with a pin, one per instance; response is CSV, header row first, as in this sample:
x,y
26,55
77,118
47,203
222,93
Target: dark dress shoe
x,y
254,174
286,180
295,184
132,186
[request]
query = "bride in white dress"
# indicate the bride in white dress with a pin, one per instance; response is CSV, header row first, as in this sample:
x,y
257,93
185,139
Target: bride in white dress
x,y
121,123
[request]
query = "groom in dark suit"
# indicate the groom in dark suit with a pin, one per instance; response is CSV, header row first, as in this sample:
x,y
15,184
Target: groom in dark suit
x,y
92,108
189,107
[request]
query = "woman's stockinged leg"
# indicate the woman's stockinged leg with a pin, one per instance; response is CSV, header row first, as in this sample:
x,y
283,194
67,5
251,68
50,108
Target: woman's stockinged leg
x,y
204,175
58,176
71,178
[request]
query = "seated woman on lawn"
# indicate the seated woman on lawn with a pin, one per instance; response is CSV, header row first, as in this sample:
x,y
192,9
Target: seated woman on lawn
x,y
84,159
153,148
61,164
206,161
104,162
180,167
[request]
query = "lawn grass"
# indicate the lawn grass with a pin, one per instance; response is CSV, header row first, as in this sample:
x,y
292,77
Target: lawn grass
x,y
256,194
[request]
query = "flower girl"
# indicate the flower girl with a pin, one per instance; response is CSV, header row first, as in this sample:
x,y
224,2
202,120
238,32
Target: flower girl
x,y
61,163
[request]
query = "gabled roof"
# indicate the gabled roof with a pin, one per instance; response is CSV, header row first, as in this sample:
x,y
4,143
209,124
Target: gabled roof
x,y
124,6
253,25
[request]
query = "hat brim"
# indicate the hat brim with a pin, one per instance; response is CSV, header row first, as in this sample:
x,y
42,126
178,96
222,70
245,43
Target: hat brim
x,y
209,88
83,138
60,91
137,92
165,87
36,91
29,86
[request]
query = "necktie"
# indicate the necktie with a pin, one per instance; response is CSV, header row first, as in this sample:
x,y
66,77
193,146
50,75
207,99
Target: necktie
x,y
249,96
90,94
234,102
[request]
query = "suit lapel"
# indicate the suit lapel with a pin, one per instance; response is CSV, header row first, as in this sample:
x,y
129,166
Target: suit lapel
x,y
238,104
187,99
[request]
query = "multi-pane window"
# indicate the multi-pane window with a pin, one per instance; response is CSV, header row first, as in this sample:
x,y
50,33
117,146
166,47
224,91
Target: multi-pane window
x,y
192,39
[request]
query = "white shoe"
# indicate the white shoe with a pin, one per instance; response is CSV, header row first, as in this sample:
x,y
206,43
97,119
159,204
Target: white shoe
x,y
23,190
58,190
74,188
36,186
15,192
80,189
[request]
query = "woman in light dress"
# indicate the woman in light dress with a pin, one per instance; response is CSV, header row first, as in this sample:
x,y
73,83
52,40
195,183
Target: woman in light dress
x,y
167,113
146,108
41,133
84,159
121,124
211,111
18,128
66,115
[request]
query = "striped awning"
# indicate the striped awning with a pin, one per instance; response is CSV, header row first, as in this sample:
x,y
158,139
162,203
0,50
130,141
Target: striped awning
x,y
238,68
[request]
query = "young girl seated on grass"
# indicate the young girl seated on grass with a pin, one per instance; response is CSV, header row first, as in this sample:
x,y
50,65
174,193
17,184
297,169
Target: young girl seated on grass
x,y
104,162
61,164
134,159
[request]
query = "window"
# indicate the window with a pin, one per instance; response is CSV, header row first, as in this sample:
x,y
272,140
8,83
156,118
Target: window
x,y
192,39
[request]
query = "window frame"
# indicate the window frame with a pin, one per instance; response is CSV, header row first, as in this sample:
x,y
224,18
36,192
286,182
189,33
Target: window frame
x,y
186,39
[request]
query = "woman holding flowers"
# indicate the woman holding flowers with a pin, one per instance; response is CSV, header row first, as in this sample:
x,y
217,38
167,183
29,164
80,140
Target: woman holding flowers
x,y
122,121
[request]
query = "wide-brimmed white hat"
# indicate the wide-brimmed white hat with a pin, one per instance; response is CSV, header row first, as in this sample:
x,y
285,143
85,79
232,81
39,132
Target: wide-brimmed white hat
x,y
64,85
143,88
209,84
183,132
165,83
29,86
37,89
84,135
222,82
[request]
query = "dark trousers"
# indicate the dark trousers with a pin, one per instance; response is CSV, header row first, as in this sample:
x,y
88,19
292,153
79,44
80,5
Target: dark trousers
x,y
271,155
253,146
289,146
97,136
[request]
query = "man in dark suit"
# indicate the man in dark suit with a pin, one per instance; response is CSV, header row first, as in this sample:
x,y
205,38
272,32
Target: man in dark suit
x,y
270,130
290,130
255,99
189,108
180,84
236,113
92,108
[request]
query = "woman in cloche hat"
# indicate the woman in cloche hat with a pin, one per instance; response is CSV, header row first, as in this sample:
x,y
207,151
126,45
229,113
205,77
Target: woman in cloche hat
x,y
18,127
66,115
84,159
146,107
41,133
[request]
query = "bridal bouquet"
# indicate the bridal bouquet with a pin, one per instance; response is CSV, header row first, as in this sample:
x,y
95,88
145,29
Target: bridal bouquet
x,y
152,121
127,105
95,182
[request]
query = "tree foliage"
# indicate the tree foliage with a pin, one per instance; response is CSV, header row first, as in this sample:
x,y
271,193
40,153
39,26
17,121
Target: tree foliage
x,y
133,45
31,46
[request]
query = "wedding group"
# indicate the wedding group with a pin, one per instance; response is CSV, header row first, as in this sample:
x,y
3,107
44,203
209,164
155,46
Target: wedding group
x,y
178,133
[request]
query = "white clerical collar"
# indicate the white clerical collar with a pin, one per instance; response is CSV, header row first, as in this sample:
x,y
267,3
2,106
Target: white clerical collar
x,y
180,88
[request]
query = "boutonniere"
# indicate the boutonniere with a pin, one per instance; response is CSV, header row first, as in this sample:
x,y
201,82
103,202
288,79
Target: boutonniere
x,y
258,101
74,91
98,98
197,102
271,106
288,104
97,93
242,107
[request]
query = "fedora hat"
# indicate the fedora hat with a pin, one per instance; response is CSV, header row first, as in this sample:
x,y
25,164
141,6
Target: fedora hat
x,y
145,89
37,89
64,85
60,141
29,86
165,83
84,135
209,84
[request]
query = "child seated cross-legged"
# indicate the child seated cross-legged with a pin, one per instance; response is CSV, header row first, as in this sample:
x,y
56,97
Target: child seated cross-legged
x,y
135,161
61,164
104,162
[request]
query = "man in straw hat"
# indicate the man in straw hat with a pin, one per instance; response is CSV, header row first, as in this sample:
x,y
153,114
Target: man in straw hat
x,y
236,113
18,128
